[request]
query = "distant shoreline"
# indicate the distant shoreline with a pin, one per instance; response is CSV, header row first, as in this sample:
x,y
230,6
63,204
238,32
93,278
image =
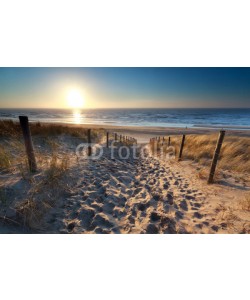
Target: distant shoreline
x,y
144,133
155,119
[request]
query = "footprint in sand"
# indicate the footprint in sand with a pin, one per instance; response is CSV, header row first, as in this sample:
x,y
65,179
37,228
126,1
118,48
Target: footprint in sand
x,y
170,198
71,226
197,205
197,215
154,216
108,207
152,229
183,205
179,215
118,212
102,221
86,216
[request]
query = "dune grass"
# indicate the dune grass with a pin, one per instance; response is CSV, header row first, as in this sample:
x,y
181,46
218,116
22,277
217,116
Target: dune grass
x,y
9,128
54,147
47,138
245,203
235,152
5,158
44,191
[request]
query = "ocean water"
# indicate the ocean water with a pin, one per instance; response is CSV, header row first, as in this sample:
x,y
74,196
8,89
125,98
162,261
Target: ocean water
x,y
218,118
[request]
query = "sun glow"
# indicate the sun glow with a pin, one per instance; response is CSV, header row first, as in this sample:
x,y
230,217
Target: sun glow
x,y
75,99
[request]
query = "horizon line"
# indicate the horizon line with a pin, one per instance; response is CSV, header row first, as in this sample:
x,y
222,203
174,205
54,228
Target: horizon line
x,y
84,108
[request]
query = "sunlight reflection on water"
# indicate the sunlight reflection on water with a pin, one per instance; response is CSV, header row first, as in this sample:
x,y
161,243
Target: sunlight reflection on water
x,y
77,117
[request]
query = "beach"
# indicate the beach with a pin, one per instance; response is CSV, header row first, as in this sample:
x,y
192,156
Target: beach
x,y
144,133
144,193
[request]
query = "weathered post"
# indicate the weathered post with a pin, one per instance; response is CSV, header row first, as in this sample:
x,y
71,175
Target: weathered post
x,y
89,143
120,138
169,140
153,146
216,156
182,145
24,122
107,139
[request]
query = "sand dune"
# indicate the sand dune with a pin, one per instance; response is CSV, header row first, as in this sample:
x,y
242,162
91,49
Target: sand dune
x,y
146,196
114,195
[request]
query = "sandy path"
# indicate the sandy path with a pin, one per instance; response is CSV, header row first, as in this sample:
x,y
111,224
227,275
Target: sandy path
x,y
131,196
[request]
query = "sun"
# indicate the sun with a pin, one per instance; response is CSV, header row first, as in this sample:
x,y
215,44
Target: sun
x,y
75,99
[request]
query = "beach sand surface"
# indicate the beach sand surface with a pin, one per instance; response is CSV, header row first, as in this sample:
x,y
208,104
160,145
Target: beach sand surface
x,y
146,194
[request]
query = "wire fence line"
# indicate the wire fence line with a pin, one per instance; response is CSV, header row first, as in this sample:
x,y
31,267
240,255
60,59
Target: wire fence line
x,y
157,144
107,139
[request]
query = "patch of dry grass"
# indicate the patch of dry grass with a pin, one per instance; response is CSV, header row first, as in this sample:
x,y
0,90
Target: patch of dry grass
x,y
32,212
57,168
228,217
8,128
47,139
44,193
245,203
54,147
5,159
235,152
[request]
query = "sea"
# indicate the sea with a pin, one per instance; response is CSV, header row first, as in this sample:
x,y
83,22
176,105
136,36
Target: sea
x,y
165,117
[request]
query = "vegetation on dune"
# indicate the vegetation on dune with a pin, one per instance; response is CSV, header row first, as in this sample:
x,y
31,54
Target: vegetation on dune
x,y
235,152
5,159
47,139
245,203
8,128
44,193
55,154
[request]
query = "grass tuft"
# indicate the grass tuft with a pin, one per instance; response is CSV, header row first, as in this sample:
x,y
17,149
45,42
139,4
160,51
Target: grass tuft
x,y
5,159
245,204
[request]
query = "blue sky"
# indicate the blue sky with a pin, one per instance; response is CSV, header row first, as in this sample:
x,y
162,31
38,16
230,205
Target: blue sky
x,y
125,87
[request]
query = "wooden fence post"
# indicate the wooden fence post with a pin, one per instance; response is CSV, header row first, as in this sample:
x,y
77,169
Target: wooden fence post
x,y
89,142
24,122
107,139
169,140
182,145
216,156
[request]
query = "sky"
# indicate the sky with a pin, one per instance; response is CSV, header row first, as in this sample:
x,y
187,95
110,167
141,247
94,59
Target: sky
x,y
124,87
